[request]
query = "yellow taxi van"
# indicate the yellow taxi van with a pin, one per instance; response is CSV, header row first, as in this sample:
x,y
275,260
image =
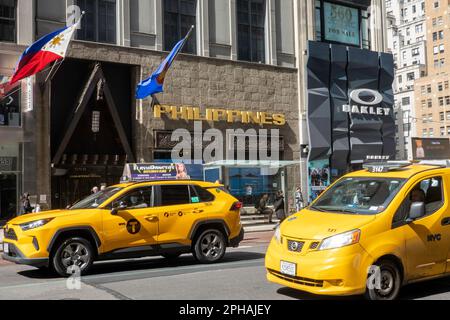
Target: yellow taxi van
x,y
370,233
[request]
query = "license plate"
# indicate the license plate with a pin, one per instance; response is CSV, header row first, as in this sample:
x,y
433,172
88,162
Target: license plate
x,y
288,268
6,248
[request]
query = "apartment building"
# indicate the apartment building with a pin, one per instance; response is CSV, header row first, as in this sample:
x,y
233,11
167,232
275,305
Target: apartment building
x,y
245,55
407,40
432,93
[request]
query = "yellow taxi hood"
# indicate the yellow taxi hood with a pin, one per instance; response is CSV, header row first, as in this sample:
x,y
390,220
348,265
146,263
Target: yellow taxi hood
x,y
38,216
313,225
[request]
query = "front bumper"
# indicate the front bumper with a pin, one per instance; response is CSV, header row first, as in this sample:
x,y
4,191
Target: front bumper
x,y
340,272
234,243
16,256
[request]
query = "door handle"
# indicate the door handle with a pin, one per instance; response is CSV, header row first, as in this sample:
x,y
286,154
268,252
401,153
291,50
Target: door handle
x,y
198,211
445,222
151,218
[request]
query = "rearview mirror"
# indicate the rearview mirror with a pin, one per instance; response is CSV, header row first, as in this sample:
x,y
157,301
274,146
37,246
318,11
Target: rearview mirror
x,y
416,211
115,210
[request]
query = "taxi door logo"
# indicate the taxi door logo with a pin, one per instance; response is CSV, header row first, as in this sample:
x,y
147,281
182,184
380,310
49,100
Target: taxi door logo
x,y
133,226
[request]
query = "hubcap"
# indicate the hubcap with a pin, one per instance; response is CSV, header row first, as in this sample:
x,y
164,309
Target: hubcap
x,y
387,283
211,246
75,254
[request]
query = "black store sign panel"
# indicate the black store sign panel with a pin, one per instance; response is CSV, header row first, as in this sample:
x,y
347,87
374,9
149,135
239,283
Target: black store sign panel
x,y
350,104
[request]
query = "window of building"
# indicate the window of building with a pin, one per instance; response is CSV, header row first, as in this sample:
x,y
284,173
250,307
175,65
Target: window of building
x,y
441,116
441,34
8,20
447,114
431,133
400,79
436,63
442,131
408,32
179,16
336,18
440,21
424,104
446,84
419,39
404,54
424,133
447,100
441,48
10,105
440,86
435,49
414,9
430,103
423,90
436,4
441,101
251,31
99,23
435,36
415,52
441,62
429,88
406,101
433,22
448,131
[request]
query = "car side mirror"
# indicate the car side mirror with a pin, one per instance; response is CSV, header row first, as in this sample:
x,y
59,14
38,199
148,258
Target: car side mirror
x,y
115,210
416,211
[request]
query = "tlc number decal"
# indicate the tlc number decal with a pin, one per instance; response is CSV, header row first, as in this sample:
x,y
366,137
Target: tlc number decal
x,y
133,226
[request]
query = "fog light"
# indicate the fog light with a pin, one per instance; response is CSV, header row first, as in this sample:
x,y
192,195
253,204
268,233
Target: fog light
x,y
35,244
336,283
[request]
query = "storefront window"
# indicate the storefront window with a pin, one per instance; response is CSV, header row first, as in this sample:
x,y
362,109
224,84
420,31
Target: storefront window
x,y
249,185
9,181
8,20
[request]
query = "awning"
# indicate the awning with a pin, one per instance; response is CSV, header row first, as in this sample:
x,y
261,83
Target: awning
x,y
251,164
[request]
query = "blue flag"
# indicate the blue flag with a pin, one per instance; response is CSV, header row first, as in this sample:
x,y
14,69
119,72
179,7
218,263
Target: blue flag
x,y
155,84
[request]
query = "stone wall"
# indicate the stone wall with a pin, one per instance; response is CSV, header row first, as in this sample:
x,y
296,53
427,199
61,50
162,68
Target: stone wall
x,y
205,83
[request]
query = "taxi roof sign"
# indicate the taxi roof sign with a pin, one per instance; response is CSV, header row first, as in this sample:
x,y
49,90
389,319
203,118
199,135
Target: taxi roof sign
x,y
382,167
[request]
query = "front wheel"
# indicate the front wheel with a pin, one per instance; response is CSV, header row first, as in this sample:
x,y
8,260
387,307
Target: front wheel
x,y
73,256
210,246
385,283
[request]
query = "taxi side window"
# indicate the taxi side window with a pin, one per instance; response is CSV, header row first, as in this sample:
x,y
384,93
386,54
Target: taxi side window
x,y
429,191
139,198
200,194
172,195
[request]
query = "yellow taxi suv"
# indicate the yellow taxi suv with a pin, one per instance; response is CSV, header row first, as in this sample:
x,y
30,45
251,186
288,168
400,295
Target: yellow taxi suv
x,y
370,233
133,220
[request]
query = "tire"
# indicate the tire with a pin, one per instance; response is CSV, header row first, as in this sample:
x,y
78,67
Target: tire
x,y
172,255
66,256
210,246
391,282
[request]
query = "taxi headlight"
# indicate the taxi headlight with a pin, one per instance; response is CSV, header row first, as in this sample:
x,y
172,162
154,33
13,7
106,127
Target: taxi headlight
x,y
277,235
341,240
34,224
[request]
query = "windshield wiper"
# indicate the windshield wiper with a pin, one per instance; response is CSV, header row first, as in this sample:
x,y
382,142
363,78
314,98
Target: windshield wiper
x,y
317,209
335,210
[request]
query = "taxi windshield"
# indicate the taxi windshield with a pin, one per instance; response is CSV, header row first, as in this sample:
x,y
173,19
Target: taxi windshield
x,y
365,196
95,200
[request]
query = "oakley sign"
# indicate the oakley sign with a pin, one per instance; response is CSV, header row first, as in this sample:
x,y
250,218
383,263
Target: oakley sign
x,y
368,105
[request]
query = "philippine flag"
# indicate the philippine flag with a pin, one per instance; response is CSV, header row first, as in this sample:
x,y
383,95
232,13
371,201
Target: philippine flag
x,y
46,50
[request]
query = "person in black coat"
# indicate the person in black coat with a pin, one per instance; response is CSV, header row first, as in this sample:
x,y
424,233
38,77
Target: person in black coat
x,y
279,206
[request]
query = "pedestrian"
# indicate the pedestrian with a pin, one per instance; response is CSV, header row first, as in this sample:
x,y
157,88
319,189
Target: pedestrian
x,y
279,206
26,205
299,201
37,209
263,208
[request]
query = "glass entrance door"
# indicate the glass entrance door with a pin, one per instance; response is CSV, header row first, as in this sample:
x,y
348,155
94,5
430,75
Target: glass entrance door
x,y
8,196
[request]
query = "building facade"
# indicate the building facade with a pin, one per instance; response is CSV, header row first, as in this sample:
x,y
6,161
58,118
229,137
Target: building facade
x,y
407,40
78,128
432,93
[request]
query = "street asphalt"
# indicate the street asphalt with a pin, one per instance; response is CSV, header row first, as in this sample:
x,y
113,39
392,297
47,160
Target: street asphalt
x,y
241,276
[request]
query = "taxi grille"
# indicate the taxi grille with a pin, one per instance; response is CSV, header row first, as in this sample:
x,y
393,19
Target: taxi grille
x,y
10,234
295,246
298,280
